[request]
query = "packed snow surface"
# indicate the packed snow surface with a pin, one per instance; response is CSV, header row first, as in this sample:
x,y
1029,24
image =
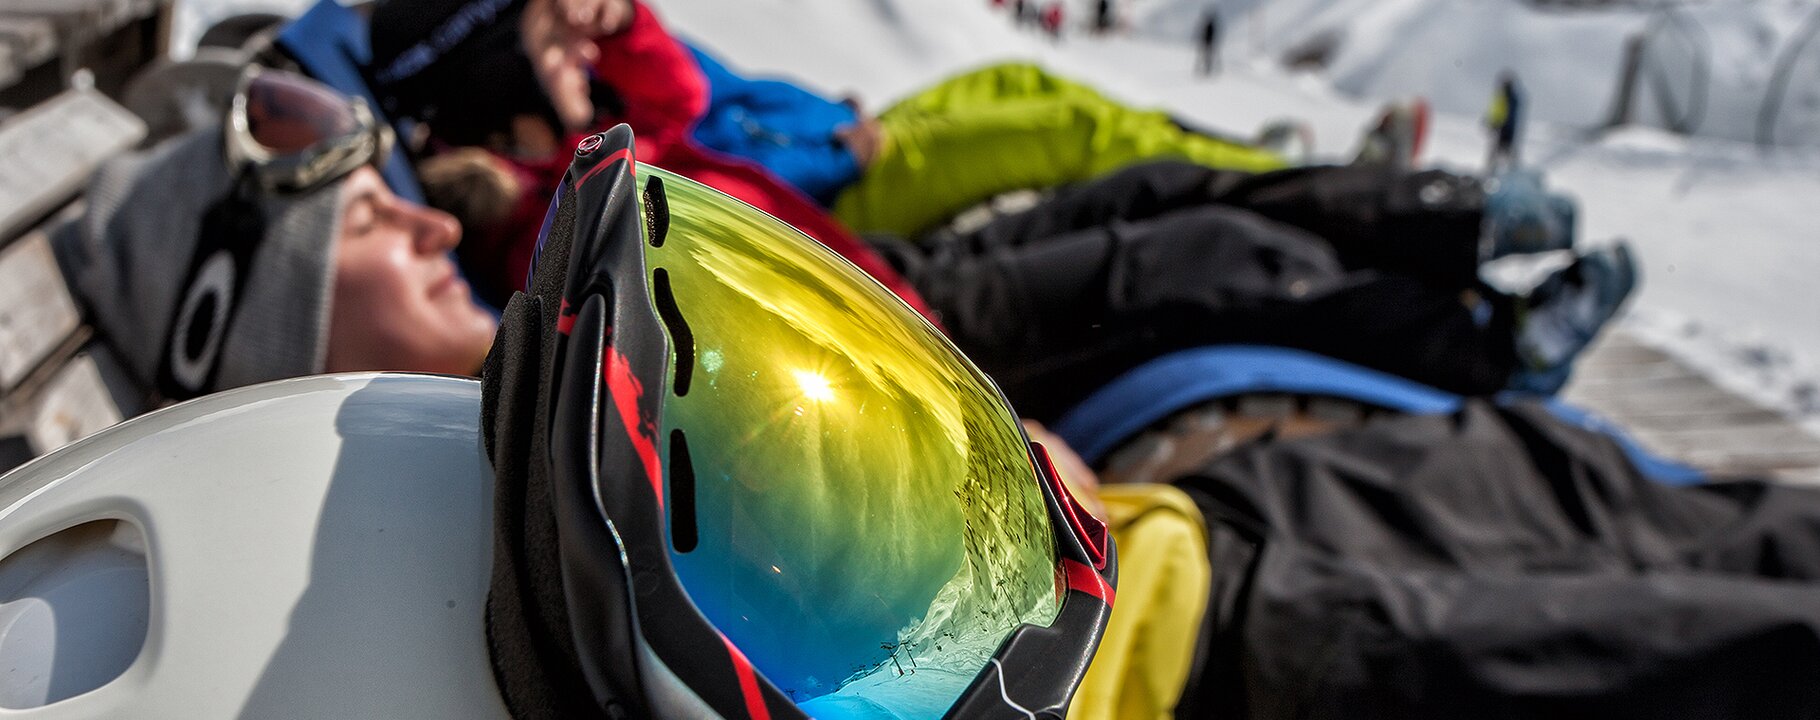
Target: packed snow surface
x,y
1717,222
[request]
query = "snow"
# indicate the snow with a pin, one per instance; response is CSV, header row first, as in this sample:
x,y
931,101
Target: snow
x,y
193,17
1451,50
1718,223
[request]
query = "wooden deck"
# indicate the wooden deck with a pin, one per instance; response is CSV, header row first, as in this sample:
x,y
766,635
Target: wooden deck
x,y
1676,412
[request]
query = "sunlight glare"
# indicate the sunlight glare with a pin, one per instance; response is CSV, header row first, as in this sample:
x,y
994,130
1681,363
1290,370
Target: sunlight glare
x,y
815,387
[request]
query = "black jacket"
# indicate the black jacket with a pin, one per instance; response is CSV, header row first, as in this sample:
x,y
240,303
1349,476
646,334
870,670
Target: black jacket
x,y
1499,563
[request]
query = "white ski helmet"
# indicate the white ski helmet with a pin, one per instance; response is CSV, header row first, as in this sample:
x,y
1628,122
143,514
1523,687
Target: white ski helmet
x,y
314,547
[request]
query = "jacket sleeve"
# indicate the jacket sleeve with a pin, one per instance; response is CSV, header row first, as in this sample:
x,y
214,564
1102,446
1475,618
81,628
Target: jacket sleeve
x,y
785,128
662,87
1012,127
821,170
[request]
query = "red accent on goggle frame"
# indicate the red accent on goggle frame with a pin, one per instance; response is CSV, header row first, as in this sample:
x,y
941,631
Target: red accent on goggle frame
x,y
641,431
623,153
1087,580
1090,529
565,318
748,682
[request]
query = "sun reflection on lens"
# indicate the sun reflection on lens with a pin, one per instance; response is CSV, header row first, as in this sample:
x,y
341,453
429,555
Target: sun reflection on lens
x,y
814,385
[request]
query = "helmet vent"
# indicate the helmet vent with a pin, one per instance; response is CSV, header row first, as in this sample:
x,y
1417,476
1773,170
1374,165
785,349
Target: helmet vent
x,y
679,331
683,533
74,608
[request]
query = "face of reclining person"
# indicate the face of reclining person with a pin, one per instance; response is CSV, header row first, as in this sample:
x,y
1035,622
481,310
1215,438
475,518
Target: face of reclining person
x,y
398,303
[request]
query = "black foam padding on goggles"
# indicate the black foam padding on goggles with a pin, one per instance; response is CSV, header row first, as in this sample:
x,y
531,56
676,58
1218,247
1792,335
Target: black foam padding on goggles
x,y
528,629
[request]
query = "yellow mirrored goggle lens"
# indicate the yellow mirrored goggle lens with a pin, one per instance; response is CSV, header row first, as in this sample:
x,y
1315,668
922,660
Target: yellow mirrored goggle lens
x,y
852,502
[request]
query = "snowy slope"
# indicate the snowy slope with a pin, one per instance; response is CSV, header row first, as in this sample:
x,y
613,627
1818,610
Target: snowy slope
x,y
880,48
1451,50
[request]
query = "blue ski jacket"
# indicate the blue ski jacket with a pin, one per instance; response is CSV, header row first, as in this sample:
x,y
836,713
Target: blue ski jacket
x,y
788,130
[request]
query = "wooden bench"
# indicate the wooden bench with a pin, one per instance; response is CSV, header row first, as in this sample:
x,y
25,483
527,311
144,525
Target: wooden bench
x,y
58,382
43,43
61,63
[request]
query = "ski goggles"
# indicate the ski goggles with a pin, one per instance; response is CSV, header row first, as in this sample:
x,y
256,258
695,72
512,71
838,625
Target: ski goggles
x,y
796,494
295,134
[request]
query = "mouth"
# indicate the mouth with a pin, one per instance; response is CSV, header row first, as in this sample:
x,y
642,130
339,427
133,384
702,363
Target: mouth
x,y
450,280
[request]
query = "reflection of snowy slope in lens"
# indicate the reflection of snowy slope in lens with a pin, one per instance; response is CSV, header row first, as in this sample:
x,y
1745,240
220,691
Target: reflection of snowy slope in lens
x,y
931,664
1005,580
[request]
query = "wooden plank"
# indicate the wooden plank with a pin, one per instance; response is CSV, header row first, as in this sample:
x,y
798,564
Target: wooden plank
x,y
25,43
1621,352
1604,374
1734,461
1639,403
32,39
1694,419
1781,438
1771,467
36,310
1676,412
1801,476
88,18
1606,356
74,405
1683,384
52,148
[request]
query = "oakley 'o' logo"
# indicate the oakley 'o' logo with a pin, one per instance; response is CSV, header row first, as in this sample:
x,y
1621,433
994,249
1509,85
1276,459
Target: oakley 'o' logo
x,y
588,144
201,322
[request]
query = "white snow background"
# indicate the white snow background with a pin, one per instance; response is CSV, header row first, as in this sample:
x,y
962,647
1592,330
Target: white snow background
x,y
1721,227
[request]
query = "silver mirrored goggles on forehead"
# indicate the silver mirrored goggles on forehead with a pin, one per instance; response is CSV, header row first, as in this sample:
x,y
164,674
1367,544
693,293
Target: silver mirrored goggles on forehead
x,y
296,134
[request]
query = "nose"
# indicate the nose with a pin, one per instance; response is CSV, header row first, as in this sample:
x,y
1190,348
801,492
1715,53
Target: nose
x,y
435,231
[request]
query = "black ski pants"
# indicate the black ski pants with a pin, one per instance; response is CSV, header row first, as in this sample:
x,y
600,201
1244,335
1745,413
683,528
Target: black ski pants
x,y
1361,264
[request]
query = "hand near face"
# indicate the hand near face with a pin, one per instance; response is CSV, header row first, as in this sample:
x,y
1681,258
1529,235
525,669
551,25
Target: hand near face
x,y
595,18
562,54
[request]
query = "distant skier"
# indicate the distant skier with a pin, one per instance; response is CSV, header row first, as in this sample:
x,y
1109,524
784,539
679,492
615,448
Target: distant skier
x,y
1102,17
1504,119
1397,137
1052,20
1020,12
1209,62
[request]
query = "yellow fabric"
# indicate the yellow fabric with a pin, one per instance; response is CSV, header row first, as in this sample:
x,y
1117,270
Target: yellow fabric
x,y
1498,112
1011,127
1164,580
